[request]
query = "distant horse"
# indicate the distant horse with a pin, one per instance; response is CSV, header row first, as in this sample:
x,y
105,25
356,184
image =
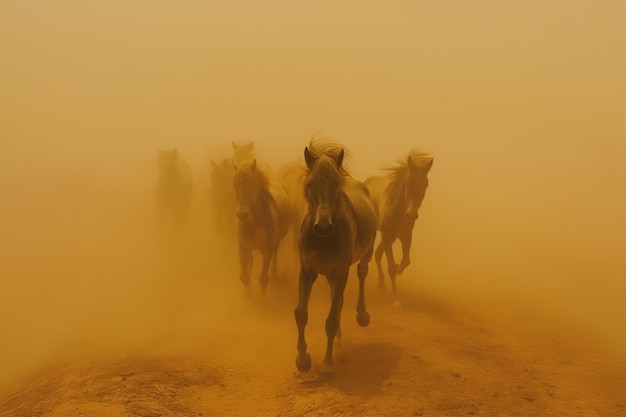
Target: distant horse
x,y
397,198
338,230
292,179
222,193
263,219
173,192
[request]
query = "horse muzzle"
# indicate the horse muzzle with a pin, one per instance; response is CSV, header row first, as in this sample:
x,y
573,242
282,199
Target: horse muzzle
x,y
323,228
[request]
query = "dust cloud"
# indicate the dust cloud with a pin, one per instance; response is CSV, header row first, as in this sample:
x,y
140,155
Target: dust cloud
x,y
523,219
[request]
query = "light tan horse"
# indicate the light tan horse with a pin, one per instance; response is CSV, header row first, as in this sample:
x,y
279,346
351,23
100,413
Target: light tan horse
x,y
173,193
397,198
263,219
338,230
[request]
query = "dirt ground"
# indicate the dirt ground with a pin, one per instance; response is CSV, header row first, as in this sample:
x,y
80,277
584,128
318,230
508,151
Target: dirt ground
x,y
176,335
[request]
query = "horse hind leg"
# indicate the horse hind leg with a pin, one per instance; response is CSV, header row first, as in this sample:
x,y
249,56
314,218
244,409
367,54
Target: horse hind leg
x,y
378,258
362,316
332,321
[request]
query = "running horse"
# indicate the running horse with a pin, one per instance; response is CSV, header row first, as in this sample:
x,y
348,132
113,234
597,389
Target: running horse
x,y
397,198
338,230
222,194
263,219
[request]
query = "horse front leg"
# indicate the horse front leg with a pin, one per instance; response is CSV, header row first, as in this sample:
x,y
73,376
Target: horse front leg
x,y
301,313
405,241
392,269
245,265
332,295
339,279
267,259
362,316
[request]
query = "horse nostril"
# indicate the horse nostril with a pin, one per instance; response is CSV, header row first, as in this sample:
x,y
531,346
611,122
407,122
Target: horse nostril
x,y
323,230
242,214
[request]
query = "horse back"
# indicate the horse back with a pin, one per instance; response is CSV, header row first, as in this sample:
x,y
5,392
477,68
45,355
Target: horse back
x,y
376,186
283,208
364,214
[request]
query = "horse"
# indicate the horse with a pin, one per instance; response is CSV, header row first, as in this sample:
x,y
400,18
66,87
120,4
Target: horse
x,y
222,194
338,230
263,219
397,198
173,192
291,178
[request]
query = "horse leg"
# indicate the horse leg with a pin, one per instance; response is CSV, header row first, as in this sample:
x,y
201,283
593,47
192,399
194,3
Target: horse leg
x,y
275,263
378,257
245,264
392,269
405,240
301,313
332,292
332,321
267,258
362,316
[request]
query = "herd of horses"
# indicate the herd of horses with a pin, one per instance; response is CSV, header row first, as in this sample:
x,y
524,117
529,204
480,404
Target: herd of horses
x,y
332,217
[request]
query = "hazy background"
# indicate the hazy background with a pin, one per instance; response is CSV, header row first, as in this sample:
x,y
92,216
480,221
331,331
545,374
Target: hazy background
x,y
522,106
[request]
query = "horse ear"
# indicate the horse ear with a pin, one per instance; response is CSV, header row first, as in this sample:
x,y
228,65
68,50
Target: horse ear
x,y
235,146
411,164
250,146
234,165
213,164
428,165
308,157
175,152
253,164
339,159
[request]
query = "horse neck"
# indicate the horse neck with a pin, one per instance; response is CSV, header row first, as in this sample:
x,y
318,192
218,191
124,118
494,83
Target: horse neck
x,y
261,208
394,193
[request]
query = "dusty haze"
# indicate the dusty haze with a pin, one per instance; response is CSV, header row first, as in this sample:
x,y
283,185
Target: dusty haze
x,y
521,106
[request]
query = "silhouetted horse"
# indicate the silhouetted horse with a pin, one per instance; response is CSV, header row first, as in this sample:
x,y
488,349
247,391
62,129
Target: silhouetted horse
x,y
397,198
263,219
222,193
173,193
337,231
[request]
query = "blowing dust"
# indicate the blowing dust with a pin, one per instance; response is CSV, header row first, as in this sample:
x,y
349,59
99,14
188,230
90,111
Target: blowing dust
x,y
522,223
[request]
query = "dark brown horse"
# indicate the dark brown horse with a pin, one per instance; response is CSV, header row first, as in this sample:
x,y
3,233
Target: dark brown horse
x,y
338,230
397,198
263,219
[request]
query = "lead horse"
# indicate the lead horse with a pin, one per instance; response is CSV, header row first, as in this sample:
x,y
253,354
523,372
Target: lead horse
x,y
397,197
338,230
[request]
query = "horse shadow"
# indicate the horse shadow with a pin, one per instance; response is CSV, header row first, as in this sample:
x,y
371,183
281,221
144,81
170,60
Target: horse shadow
x,y
361,370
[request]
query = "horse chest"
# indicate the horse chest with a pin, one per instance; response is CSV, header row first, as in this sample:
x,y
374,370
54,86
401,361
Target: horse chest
x,y
253,238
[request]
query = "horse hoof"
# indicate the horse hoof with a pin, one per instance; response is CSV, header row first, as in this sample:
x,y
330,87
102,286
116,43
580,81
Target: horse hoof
x,y
396,305
327,370
363,319
303,362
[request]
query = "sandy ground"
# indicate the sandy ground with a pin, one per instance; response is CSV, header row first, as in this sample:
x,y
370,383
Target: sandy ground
x,y
134,334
